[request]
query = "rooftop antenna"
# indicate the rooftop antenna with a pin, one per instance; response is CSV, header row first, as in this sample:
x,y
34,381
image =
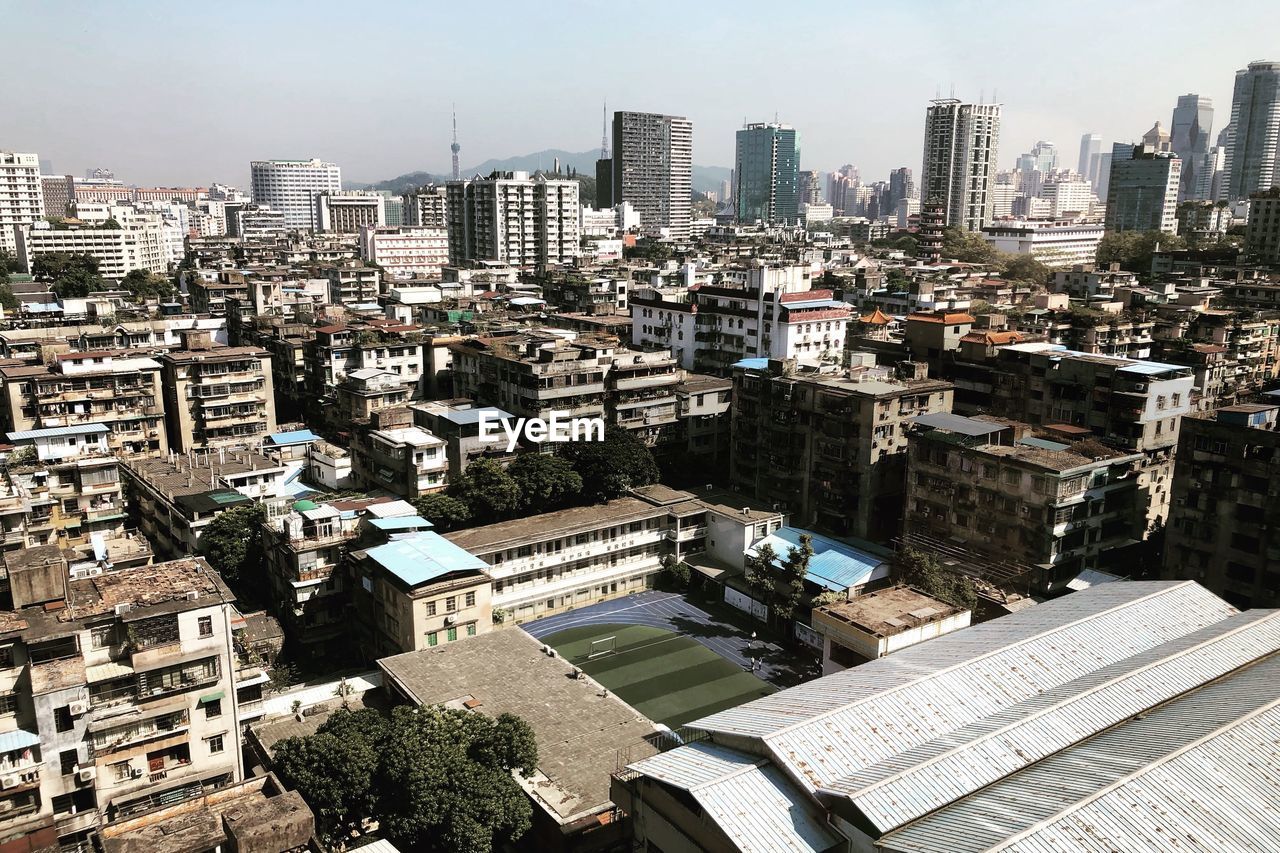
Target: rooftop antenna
x,y
455,147
994,98
953,91
982,95
604,131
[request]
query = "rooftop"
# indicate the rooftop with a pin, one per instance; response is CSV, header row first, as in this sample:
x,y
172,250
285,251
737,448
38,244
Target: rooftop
x,y
196,473
890,611
422,557
548,525
580,727
186,581
834,565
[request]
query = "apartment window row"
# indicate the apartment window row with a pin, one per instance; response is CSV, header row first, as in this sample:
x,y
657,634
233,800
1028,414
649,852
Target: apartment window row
x,y
451,603
571,569
450,633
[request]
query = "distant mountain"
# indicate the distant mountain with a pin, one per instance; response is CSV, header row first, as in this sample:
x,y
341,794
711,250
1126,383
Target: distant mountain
x,y
705,178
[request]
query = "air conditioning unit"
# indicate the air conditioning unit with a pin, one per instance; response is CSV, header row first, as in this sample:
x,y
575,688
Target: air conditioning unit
x,y
78,709
450,620
7,782
86,774
135,772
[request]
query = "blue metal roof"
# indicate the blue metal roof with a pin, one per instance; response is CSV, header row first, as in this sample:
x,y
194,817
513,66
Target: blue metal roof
x,y
466,417
1150,368
55,432
17,739
298,436
424,556
753,363
834,565
404,522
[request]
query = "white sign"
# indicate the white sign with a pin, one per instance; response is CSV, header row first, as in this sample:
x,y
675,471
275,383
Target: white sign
x,y
537,430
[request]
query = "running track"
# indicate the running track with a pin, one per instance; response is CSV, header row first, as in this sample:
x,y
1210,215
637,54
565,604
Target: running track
x,y
674,613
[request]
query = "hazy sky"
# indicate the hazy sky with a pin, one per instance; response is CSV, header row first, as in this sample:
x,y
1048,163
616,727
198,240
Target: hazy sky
x,y
188,93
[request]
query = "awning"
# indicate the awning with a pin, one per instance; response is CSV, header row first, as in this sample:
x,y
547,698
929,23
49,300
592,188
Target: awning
x,y
212,697
107,671
18,739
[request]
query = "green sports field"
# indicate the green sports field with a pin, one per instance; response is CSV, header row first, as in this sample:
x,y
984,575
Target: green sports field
x,y
669,678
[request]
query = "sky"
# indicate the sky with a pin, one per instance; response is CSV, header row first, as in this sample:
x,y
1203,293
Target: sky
x,y
182,94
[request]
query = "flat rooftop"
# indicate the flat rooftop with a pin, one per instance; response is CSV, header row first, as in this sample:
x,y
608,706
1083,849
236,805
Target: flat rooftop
x,y
886,612
579,726
504,534
144,587
181,474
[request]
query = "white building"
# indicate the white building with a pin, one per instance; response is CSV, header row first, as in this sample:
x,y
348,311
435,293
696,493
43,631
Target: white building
x,y
961,143
405,251
1055,243
816,213
21,196
139,244
348,212
1068,198
525,221
291,186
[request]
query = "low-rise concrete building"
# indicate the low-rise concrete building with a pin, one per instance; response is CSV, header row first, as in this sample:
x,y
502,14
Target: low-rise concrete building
x,y
881,622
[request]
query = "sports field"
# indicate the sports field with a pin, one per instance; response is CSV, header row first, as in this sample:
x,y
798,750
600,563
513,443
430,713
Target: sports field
x,y
669,678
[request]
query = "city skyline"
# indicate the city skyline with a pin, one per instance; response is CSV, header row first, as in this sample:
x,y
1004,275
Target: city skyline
x,y
396,117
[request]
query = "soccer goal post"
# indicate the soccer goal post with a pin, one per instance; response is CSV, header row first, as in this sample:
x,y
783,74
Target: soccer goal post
x,y
602,646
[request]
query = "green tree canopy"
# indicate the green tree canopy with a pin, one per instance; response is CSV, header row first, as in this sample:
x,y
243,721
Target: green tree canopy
x,y
762,574
923,571
968,247
794,569
232,543
488,490
546,482
72,275
146,285
1133,250
444,511
1025,268
609,468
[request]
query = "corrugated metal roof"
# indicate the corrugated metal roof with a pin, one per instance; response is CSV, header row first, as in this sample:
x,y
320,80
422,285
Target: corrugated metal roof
x,y
17,739
749,799
404,522
834,565
1199,773
56,432
924,779
297,436
839,725
424,556
958,424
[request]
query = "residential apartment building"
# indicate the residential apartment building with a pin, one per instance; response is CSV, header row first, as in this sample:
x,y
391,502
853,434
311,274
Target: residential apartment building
x,y
1252,157
405,251
961,145
118,695
348,212
828,447
1222,530
21,196
118,390
528,222
1262,231
216,396
533,375
177,496
337,350
139,244
767,174
353,283
456,422
417,590
291,186
427,207
395,456
1055,243
652,169
1142,193
59,193
997,489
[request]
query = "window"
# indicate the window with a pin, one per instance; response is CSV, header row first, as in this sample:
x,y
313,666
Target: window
x,y
67,761
62,719
102,636
216,744
6,657
431,608
206,626
453,634
433,638
471,629
213,709
471,599
451,604
8,703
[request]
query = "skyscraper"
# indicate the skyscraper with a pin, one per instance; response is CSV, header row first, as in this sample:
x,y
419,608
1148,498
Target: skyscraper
x,y
1252,162
1142,193
291,186
653,169
901,185
1189,138
767,169
1090,148
810,188
961,143
21,196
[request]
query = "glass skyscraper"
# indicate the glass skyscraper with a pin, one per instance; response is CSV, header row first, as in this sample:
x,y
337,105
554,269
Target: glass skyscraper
x,y
767,174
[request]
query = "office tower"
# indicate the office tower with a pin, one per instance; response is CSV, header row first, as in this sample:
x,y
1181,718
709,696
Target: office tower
x,y
1043,157
961,143
604,183
1090,149
1252,162
1100,186
528,222
291,187
810,188
1142,192
767,166
901,185
1209,173
21,196
653,169
1189,138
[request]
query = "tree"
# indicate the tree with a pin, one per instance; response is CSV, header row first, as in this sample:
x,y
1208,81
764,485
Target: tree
x,y
232,543
546,482
444,511
1133,250
923,571
8,263
611,467
1026,268
653,251
968,246
588,195
7,300
145,285
488,490
908,246
444,780
794,569
675,571
762,574
72,275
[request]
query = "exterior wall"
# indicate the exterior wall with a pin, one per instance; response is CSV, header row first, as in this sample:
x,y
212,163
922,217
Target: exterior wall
x,y
290,187
653,169
218,400
405,251
21,196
